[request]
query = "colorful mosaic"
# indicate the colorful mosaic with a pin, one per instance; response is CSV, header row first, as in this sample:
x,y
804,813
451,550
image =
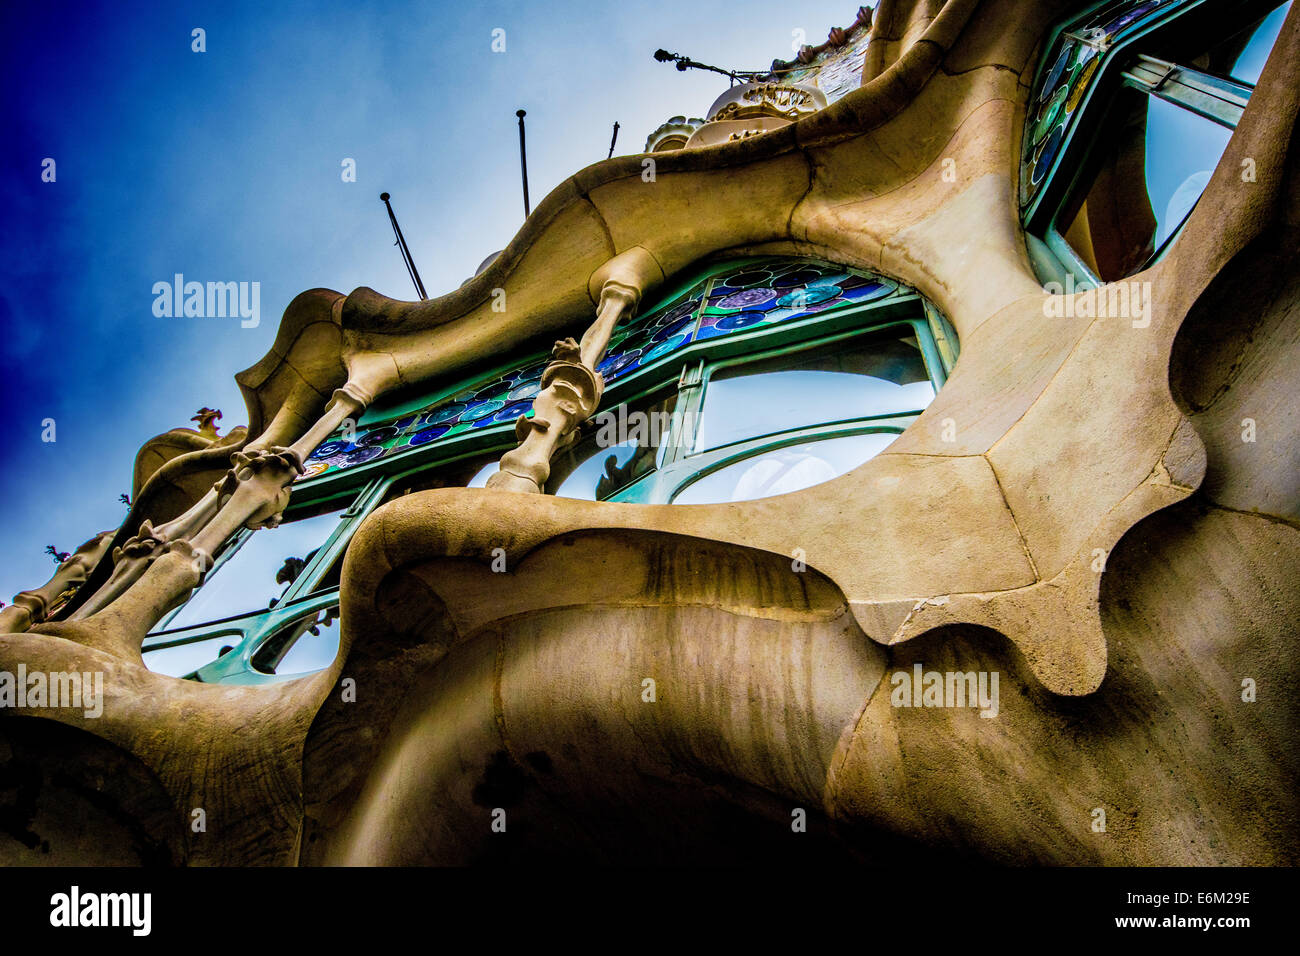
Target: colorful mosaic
x,y
757,295
1073,61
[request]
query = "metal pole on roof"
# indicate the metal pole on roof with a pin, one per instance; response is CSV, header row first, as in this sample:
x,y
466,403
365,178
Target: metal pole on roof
x,y
613,140
523,161
406,251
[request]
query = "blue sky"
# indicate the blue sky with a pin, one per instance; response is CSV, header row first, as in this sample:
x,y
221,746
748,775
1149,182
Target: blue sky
x,y
225,166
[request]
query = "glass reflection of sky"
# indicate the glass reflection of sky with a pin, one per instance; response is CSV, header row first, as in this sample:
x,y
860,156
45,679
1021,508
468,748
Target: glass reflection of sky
x,y
581,482
783,470
1183,149
1251,62
749,406
179,661
311,652
246,580
481,478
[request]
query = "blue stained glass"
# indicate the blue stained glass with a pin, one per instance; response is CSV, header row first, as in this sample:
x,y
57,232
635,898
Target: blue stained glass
x,y
676,328
495,390
1047,154
685,310
378,436
743,280
741,320
360,456
427,435
1058,68
812,295
1124,19
614,364
524,391
663,348
505,415
446,413
329,449
865,293
747,299
758,294
481,410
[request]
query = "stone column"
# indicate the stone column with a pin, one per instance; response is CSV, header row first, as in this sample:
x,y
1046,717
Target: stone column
x,y
33,607
571,391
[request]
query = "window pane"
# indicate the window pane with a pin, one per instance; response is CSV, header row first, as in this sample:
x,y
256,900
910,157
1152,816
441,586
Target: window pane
x,y
307,645
1154,161
1181,153
265,564
885,375
187,658
480,479
1251,62
626,446
783,470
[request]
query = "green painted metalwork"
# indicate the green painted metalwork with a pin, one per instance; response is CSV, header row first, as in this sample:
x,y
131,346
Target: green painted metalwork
x,y
685,368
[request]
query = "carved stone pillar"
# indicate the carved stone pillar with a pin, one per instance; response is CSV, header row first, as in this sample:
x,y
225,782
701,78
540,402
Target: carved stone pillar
x,y
252,494
33,607
571,391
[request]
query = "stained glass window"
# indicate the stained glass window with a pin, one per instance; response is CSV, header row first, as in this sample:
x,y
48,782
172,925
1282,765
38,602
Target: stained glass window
x,y
1071,65
761,294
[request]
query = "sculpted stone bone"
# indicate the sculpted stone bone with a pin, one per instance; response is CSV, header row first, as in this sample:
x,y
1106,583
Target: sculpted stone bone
x,y
571,391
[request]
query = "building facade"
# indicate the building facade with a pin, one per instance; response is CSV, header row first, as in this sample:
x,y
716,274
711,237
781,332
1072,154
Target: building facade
x,y
899,457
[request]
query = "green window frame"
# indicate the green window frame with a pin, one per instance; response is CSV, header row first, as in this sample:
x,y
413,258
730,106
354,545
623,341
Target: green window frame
x,y
687,371
1124,66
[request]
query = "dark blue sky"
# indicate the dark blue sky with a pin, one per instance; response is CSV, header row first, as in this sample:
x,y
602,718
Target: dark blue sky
x,y
225,166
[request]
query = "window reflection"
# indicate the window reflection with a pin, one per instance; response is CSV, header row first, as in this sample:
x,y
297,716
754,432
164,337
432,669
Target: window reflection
x,y
1156,159
259,571
627,444
1155,152
480,479
780,471
1255,44
307,645
883,375
187,658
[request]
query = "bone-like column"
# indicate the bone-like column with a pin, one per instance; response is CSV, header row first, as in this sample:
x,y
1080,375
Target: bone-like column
x,y
571,391
32,607
139,551
252,494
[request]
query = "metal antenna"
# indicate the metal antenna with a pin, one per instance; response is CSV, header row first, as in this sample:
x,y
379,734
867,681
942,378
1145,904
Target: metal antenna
x,y
523,161
406,252
613,140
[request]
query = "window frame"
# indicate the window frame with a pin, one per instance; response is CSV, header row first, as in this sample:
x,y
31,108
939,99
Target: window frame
x,y
369,485
682,467
1121,67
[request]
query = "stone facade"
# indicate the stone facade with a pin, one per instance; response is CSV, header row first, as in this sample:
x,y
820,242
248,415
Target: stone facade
x,y
1079,511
